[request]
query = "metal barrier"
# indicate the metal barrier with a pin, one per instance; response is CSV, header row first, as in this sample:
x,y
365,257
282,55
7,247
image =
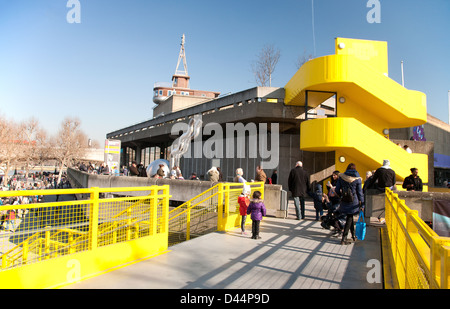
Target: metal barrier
x,y
78,238
216,209
421,258
55,243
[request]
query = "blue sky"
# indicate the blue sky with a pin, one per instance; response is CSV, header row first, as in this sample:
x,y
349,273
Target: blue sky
x,y
102,70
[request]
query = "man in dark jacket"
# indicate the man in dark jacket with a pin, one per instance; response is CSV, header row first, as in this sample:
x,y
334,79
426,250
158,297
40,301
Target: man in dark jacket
x,y
299,185
413,181
133,169
384,177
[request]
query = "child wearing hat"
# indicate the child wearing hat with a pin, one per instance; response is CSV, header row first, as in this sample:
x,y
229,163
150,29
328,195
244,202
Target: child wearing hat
x,y
244,201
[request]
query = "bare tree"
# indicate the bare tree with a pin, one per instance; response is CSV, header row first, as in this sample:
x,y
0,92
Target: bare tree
x,y
34,143
69,144
264,66
10,145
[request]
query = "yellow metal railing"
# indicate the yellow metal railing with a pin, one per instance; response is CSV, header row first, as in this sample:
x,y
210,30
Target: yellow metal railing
x,y
421,258
102,227
97,232
215,209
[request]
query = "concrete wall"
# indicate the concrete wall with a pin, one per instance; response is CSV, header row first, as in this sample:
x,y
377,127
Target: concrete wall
x,y
180,190
420,201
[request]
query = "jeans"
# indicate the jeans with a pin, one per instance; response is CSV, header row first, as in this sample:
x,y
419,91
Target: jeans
x,y
319,213
243,223
299,200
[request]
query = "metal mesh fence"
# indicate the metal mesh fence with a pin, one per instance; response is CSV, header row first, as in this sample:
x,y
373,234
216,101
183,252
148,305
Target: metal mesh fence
x,y
44,224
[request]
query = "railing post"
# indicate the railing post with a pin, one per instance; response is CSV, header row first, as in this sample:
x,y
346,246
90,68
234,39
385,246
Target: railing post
x,y
153,209
227,199
165,210
220,198
70,241
93,228
445,267
47,244
128,224
4,262
188,221
25,252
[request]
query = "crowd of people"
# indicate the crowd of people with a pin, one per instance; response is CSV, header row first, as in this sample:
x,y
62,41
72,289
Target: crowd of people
x,y
214,174
36,181
346,194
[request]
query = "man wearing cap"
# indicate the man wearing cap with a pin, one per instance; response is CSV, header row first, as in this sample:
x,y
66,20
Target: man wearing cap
x,y
384,177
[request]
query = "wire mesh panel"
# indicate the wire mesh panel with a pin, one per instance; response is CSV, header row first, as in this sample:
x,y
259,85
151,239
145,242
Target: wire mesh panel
x,y
196,217
44,224
39,225
200,215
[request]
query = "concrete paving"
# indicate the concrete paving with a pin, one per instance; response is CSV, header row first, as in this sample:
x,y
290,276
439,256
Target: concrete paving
x,y
292,254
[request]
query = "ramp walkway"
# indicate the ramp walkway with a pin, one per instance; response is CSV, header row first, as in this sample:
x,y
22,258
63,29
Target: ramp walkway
x,y
292,254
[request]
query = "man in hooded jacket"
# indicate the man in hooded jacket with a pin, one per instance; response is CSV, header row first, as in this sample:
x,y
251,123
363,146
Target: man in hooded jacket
x,y
384,177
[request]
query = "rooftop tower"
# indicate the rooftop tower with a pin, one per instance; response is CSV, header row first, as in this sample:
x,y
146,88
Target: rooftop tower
x,y
180,82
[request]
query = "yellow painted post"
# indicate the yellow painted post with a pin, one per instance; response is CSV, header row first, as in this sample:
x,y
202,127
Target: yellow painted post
x,y
128,224
93,228
220,197
4,261
436,260
227,199
47,244
25,252
165,212
153,210
188,221
115,224
445,267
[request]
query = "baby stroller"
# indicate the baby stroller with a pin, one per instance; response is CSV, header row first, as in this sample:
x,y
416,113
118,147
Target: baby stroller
x,y
334,218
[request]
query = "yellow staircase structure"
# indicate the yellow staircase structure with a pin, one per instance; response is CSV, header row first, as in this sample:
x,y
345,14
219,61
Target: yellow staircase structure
x,y
368,104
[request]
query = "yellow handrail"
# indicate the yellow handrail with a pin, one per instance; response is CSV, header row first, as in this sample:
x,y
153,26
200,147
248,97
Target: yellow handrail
x,y
217,202
421,257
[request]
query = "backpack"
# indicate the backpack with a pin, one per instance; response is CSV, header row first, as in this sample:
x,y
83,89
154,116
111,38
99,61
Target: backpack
x,y
346,193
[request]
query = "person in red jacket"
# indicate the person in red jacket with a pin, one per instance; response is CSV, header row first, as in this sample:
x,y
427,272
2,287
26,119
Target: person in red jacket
x,y
11,217
244,201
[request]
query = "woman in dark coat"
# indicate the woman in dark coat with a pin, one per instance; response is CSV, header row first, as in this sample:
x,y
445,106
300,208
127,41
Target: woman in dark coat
x,y
350,205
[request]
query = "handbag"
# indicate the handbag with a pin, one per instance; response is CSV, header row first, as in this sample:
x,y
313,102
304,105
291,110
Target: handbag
x,y
360,227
